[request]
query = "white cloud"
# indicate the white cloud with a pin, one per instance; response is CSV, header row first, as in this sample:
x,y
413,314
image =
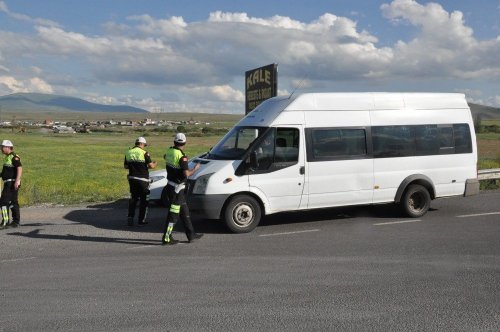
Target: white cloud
x,y
172,27
105,100
205,60
275,21
26,18
9,84
36,84
218,93
444,46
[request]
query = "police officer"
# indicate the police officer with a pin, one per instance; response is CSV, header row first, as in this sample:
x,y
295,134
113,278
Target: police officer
x,y
138,161
11,176
177,174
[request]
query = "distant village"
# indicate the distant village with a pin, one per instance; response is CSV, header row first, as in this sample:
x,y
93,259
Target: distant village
x,y
89,126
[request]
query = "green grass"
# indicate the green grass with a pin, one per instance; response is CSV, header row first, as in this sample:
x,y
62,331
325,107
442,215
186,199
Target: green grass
x,y
75,168
491,122
488,136
488,163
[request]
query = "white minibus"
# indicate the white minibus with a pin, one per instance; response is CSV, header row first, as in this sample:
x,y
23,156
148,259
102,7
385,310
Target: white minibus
x,y
319,150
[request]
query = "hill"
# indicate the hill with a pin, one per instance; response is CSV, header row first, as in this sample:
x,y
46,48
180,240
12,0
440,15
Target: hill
x,y
38,102
486,112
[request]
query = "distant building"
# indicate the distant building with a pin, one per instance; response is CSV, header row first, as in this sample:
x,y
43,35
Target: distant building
x,y
63,129
148,122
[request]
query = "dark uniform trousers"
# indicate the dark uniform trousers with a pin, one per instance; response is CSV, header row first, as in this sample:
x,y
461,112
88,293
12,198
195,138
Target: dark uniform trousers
x,y
139,192
178,208
9,197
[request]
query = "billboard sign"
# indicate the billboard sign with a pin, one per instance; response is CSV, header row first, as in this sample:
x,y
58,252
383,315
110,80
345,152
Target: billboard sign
x,y
260,84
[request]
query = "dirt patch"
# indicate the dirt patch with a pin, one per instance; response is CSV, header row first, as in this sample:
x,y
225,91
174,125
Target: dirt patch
x,y
488,149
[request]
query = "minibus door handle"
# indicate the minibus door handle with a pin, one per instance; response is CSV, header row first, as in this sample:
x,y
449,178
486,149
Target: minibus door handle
x,y
302,170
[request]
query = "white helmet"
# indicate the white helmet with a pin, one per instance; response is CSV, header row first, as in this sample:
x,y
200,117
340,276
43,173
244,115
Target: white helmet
x,y
141,140
180,138
8,143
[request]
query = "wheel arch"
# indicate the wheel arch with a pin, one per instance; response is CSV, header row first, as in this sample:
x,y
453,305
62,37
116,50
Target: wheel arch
x,y
420,179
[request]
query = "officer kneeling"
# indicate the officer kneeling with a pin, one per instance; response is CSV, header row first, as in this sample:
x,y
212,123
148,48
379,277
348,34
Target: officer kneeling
x,y
177,174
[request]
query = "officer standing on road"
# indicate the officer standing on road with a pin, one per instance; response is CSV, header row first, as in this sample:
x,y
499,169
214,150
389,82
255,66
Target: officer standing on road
x,y
177,174
138,161
11,176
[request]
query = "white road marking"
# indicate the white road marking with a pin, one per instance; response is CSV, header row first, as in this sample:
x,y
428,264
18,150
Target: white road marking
x,y
396,222
16,259
288,233
140,247
478,215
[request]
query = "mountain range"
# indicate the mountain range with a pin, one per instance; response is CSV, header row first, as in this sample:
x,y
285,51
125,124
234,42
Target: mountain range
x,y
39,102
486,112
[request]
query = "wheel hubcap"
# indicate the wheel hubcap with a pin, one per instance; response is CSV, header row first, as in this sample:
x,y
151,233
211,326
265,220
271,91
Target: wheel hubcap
x,y
243,215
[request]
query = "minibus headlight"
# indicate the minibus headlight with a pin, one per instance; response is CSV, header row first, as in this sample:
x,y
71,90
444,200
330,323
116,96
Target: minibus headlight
x,y
200,186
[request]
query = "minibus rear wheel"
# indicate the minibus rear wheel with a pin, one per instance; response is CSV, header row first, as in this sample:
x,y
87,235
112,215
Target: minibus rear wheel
x,y
416,201
242,214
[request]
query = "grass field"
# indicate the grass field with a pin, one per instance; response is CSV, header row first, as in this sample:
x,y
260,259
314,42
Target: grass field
x,y
76,168
491,122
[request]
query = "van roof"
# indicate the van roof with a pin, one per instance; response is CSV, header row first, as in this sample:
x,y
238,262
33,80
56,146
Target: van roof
x,y
267,111
362,101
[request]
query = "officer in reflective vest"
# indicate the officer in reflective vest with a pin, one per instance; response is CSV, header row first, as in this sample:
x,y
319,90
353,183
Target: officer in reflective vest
x,y
138,161
177,174
11,176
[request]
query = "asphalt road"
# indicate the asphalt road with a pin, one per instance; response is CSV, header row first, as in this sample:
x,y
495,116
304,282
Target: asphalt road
x,y
364,268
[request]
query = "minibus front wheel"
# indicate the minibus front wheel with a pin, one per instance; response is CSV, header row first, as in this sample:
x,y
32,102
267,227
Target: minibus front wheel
x,y
242,214
416,201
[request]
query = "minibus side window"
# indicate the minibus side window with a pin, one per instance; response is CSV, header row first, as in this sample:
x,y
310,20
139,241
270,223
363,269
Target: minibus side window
x,y
421,140
265,151
287,146
461,134
278,149
427,142
336,143
393,141
446,141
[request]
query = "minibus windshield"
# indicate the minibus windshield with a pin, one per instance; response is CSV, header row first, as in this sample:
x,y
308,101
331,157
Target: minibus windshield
x,y
236,142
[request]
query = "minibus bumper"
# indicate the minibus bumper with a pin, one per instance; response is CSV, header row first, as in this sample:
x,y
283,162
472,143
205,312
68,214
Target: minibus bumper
x,y
207,206
471,187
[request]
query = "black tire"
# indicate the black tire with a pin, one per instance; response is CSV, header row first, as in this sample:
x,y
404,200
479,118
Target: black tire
x,y
242,214
164,198
416,201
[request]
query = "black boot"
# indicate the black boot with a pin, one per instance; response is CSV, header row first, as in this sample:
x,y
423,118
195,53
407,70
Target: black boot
x,y
194,237
169,241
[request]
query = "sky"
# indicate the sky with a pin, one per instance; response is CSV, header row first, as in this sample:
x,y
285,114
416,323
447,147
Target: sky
x,y
191,56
